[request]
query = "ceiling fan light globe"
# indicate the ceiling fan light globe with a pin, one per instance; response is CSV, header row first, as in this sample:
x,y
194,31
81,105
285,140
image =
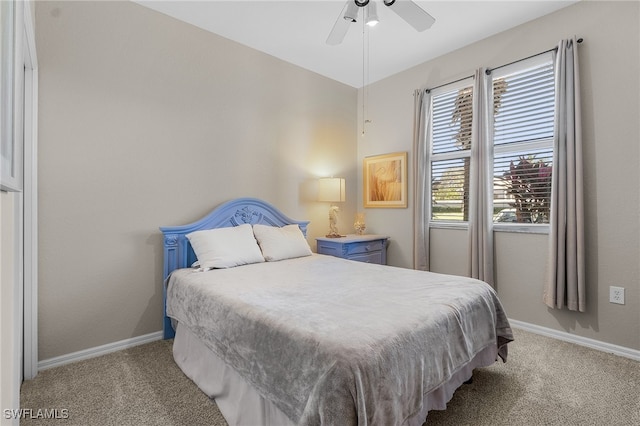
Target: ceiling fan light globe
x,y
371,15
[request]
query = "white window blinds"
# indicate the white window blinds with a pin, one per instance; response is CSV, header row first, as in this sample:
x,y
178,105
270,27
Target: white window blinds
x,y
450,145
520,136
524,104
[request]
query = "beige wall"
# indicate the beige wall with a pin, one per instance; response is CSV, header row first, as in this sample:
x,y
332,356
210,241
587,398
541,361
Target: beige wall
x,y
610,66
146,121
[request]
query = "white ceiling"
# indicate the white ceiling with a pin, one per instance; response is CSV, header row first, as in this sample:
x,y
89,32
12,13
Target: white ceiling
x,y
296,30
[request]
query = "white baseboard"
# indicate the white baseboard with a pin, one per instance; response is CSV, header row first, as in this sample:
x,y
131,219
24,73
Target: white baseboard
x,y
98,350
578,340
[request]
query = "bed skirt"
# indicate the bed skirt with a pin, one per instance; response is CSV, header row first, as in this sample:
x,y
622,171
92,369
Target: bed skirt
x,y
241,404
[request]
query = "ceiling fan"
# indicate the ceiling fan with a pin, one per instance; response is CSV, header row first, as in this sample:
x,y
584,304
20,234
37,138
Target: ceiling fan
x,y
413,14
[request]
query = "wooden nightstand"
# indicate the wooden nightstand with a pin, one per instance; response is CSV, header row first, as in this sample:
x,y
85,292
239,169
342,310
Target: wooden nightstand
x,y
362,248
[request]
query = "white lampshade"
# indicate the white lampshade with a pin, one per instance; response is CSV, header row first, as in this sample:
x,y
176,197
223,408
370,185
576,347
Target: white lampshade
x,y
331,190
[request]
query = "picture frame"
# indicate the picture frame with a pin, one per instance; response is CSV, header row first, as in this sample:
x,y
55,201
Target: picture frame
x,y
10,149
385,180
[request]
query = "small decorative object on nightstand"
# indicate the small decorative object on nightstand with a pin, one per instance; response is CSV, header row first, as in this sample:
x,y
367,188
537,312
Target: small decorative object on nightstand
x,y
362,248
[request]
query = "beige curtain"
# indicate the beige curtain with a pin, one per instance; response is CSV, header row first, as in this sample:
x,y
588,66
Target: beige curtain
x,y
481,182
565,281
421,166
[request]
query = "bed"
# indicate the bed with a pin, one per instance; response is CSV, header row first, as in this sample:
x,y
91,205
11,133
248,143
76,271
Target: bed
x,y
309,339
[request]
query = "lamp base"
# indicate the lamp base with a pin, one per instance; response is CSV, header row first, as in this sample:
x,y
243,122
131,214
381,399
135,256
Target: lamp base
x,y
334,235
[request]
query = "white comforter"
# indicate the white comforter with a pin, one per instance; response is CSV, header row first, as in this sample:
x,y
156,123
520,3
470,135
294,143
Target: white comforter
x,y
332,341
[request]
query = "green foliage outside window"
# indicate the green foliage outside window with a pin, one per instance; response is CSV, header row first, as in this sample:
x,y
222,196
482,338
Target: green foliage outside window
x,y
529,183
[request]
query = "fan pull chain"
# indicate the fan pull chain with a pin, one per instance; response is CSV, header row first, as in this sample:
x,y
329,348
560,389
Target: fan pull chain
x,y
365,70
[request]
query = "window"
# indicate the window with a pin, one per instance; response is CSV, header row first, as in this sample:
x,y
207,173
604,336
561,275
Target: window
x,y
450,151
522,138
524,106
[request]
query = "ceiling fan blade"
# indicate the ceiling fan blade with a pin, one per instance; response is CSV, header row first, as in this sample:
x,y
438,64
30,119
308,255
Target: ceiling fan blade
x,y
340,28
412,13
338,32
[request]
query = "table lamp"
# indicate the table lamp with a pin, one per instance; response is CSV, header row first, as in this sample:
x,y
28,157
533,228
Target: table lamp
x,y
332,190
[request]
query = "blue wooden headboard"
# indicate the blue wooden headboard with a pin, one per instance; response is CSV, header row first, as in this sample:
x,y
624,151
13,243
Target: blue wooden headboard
x,y
177,249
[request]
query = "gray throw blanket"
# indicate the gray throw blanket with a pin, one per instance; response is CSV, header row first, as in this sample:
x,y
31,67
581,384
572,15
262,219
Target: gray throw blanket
x,y
331,341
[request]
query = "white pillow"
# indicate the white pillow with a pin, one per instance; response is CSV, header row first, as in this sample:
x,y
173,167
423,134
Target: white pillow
x,y
225,247
281,243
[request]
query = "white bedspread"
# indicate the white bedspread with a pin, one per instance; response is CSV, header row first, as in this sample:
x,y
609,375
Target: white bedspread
x,y
331,341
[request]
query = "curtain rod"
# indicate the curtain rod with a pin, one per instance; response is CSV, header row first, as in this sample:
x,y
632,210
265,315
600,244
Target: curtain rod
x,y
489,70
445,84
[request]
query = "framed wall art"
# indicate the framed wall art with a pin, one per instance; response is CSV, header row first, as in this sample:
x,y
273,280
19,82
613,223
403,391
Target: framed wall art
x,y
385,181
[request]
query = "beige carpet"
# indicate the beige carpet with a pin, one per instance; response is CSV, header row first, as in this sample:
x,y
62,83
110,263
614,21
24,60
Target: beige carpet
x,y
545,382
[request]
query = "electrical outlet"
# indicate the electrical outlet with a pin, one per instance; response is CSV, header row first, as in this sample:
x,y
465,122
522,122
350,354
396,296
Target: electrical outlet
x,y
616,295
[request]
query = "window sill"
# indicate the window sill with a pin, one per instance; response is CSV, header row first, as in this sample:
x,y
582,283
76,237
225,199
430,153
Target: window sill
x,y
448,225
519,228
